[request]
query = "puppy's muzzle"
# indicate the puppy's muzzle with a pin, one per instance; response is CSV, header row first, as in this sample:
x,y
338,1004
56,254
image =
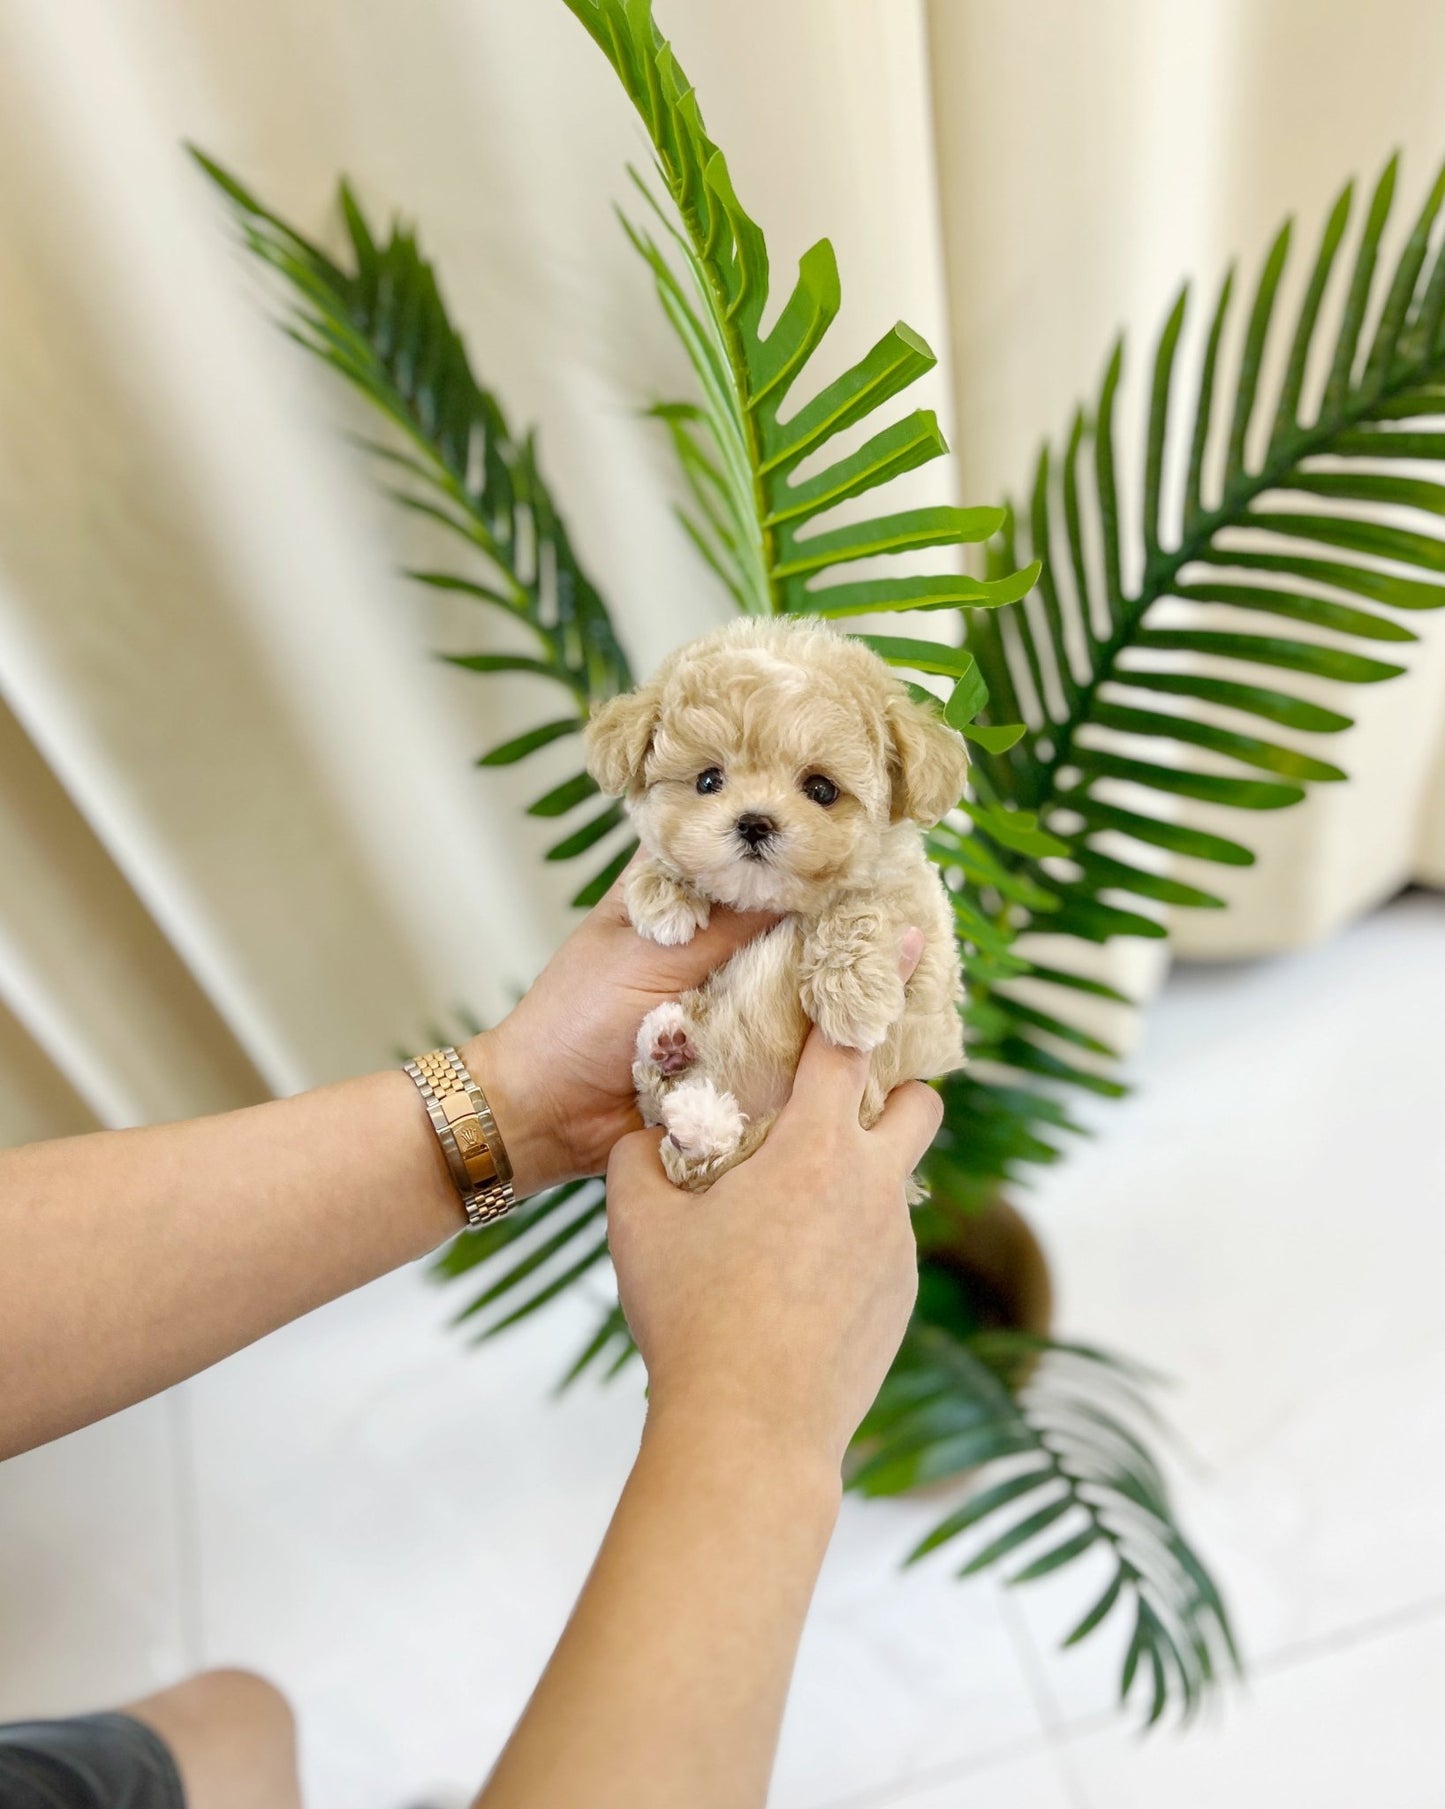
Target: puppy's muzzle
x,y
757,832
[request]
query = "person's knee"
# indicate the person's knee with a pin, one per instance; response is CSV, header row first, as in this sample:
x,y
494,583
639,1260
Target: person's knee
x,y
233,1736
248,1699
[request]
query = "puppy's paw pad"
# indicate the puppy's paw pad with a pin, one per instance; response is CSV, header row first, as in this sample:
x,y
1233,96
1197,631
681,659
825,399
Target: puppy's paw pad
x,y
702,1122
665,1040
674,1053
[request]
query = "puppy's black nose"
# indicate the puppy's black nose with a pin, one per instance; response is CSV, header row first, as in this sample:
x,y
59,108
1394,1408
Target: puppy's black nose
x,y
756,830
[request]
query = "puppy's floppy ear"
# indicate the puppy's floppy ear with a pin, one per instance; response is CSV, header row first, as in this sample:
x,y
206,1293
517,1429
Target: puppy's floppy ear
x,y
617,737
929,762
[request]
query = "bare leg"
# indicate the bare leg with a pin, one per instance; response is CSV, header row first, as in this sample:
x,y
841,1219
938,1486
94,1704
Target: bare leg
x,y
233,1739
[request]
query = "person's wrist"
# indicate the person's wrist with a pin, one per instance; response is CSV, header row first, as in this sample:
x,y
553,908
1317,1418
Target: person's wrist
x,y
519,1106
705,1426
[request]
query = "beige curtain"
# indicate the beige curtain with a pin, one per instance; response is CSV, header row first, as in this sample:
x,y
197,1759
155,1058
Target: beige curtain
x,y
241,845
1092,158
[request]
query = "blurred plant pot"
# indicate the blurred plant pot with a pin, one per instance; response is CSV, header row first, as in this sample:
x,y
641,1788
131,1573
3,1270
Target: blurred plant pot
x,y
982,1269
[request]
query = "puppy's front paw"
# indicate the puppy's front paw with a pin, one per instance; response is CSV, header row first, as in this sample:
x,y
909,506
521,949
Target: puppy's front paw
x,y
852,1011
850,989
704,1128
662,909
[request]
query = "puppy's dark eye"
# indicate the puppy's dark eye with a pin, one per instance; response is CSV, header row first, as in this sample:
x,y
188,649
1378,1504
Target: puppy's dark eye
x,y
711,780
820,789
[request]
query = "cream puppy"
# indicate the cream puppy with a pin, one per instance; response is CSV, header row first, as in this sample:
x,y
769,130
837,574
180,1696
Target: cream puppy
x,y
777,766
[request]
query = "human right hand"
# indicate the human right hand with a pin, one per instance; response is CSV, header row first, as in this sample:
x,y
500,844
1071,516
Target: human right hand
x,y
776,1301
768,1310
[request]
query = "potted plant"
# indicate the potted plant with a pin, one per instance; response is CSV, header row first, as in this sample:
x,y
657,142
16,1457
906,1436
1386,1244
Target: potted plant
x,y
1069,825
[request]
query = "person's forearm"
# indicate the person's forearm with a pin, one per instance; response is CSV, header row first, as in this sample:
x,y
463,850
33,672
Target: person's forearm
x,y
132,1259
669,1682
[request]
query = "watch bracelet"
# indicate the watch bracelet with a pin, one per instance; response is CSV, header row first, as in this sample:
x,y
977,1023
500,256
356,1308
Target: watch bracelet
x,y
472,1146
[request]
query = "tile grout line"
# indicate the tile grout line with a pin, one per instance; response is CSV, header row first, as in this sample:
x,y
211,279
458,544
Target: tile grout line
x,y
1342,1639
1055,1727
186,1507
897,1794
1294,1657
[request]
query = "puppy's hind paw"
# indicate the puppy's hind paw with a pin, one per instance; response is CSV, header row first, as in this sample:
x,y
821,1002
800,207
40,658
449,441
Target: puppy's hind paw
x,y
704,1127
665,1040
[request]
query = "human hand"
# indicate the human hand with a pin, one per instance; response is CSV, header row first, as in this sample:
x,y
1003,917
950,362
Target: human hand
x,y
557,1071
776,1301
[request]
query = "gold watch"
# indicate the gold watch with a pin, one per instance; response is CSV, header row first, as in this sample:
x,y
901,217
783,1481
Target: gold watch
x,y
475,1154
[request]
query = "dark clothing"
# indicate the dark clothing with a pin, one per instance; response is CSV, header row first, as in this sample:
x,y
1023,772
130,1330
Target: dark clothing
x,y
87,1762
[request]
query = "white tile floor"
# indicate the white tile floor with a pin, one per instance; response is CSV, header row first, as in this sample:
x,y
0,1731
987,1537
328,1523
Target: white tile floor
x,y
395,1529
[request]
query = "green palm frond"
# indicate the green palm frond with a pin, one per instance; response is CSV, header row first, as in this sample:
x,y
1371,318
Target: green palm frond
x,y
1048,1435
383,325
762,527
538,1251
1173,658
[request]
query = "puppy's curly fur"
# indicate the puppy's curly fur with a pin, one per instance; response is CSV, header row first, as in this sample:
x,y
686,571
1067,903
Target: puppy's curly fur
x,y
778,766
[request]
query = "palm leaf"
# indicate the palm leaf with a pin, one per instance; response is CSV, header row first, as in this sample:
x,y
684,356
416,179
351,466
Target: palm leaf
x,y
765,529
380,321
1317,515
1048,1438
533,1255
